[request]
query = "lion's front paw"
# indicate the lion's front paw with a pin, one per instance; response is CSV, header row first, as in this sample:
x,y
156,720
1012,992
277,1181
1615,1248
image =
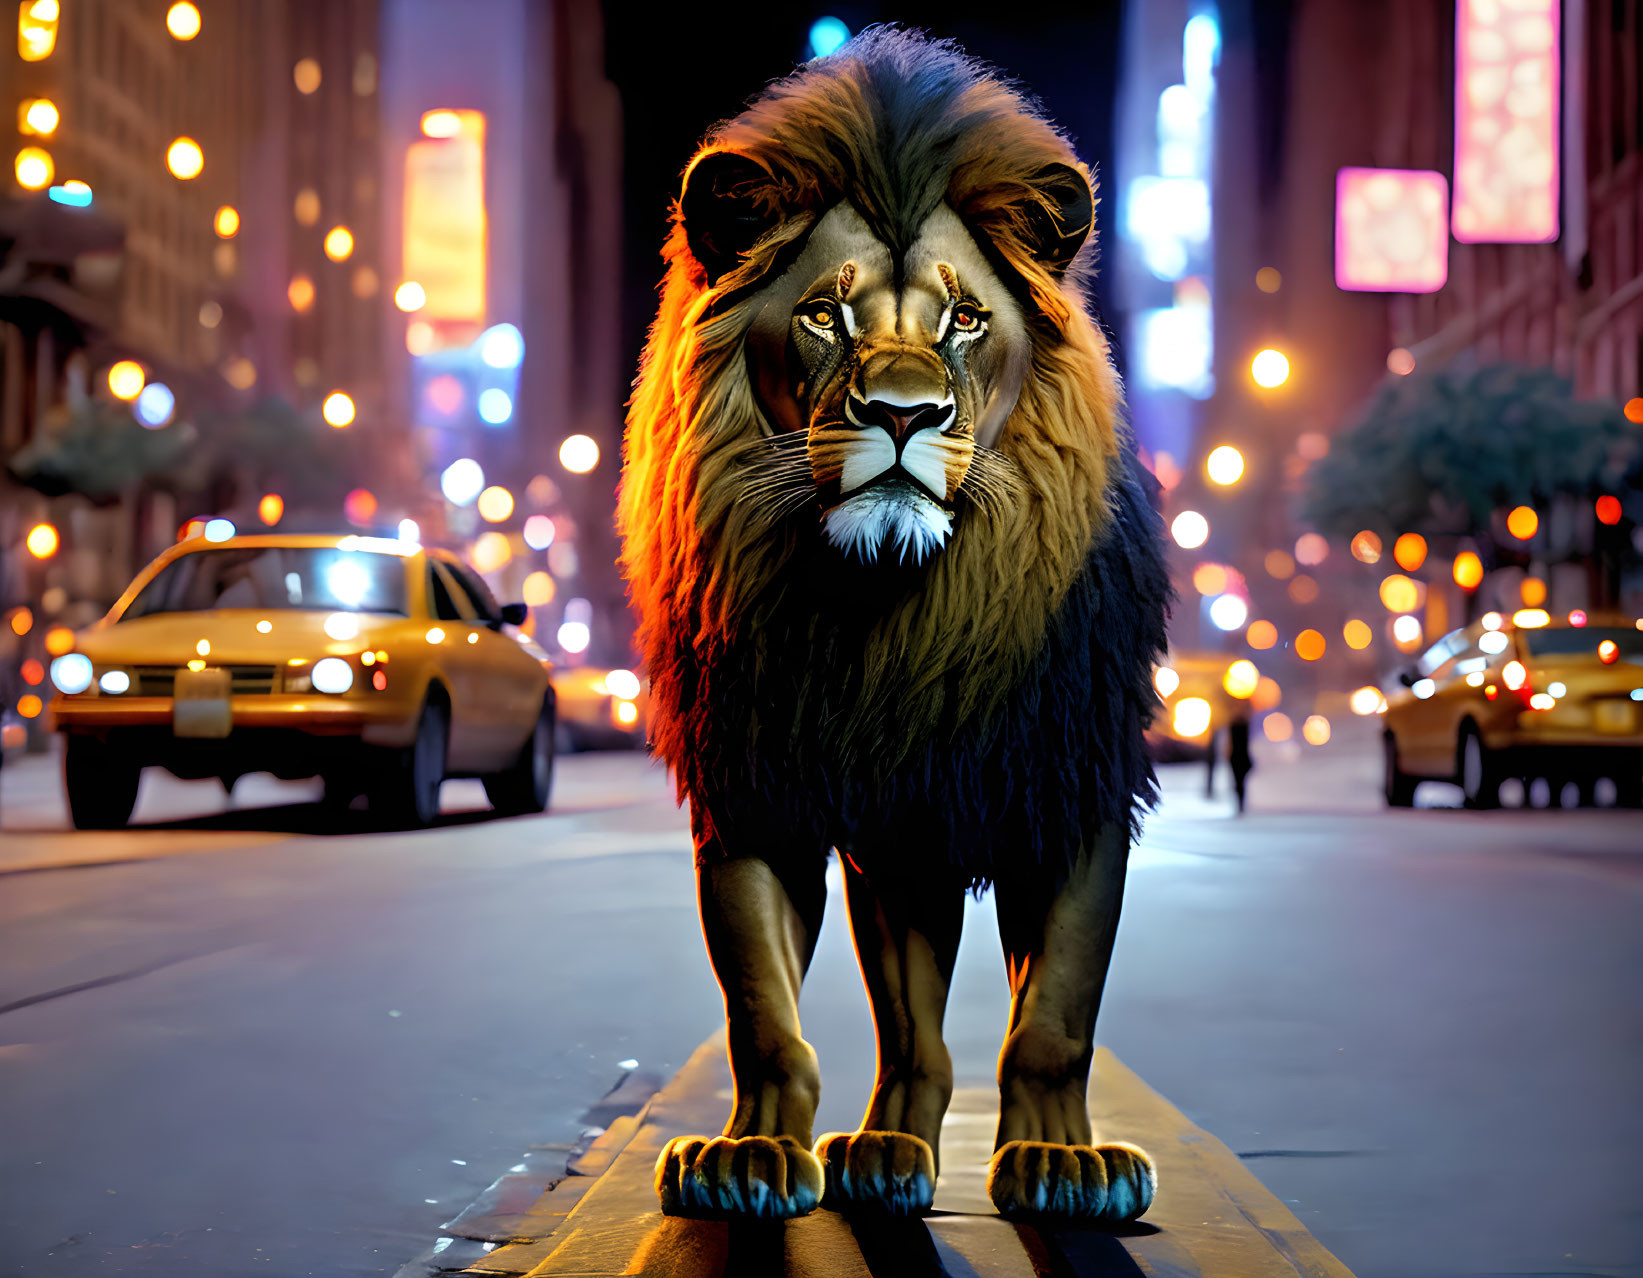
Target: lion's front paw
x,y
767,1177
1106,1183
878,1171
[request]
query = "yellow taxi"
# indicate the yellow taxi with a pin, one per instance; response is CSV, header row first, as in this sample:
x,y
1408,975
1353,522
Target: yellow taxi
x,y
379,665
1526,695
1196,689
600,708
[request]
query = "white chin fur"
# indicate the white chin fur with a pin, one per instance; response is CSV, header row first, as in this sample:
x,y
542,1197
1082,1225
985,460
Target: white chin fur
x,y
884,517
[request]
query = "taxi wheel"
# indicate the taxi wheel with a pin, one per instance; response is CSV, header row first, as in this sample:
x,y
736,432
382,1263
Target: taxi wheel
x,y
1477,772
408,795
101,782
525,786
1400,786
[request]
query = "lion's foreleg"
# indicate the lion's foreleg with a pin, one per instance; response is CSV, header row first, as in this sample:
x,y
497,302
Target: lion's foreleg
x,y
759,940
1057,948
906,933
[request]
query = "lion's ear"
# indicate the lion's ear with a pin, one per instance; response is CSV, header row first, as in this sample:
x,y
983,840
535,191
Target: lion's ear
x,y
1060,215
725,208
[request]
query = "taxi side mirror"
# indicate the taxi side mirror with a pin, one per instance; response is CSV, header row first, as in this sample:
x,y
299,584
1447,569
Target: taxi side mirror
x,y
514,614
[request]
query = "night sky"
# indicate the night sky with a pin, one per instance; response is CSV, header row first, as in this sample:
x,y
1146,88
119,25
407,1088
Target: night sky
x,y
679,77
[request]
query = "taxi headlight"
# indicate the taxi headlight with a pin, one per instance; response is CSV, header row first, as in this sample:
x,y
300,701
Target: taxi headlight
x,y
332,674
71,672
115,681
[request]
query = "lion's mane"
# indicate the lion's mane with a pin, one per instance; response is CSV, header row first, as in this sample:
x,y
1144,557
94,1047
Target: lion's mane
x,y
989,704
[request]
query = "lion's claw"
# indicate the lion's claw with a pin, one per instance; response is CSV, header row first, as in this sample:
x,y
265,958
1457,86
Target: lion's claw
x,y
1106,1183
765,1177
890,1172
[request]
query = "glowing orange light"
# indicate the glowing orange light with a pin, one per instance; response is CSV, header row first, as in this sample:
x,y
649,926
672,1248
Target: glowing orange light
x,y
360,506
1400,594
1316,730
1608,652
59,640
1357,634
126,379
183,20
42,541
1267,694
1634,410
21,621
1400,361
1269,368
1366,548
490,551
1261,635
1241,679
1533,591
33,672
306,76
1209,579
38,117
339,243
1468,570
1522,523
495,504
1607,509
227,222
538,589
1277,727
1311,549
338,409
1303,589
1280,564
1409,551
30,706
300,293
1309,645
626,713
445,393
1268,280
379,680
271,508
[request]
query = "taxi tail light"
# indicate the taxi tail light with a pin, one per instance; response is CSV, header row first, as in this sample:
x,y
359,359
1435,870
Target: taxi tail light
x,y
379,680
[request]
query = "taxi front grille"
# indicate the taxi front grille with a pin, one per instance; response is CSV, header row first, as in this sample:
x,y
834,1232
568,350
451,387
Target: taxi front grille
x,y
244,681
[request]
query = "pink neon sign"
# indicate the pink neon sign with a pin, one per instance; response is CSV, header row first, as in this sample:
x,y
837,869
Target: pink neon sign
x,y
1391,230
1506,119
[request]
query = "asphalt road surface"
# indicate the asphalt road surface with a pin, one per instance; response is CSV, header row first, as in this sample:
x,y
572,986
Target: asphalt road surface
x,y
239,1040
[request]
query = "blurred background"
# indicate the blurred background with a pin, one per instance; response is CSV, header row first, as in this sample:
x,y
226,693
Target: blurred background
x,y
1371,273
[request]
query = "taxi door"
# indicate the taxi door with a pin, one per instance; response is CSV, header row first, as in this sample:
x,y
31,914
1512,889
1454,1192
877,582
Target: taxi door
x,y
469,747
509,683
1427,742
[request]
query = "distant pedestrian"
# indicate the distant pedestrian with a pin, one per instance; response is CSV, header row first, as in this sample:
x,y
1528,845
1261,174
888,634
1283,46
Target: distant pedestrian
x,y
1238,759
1211,753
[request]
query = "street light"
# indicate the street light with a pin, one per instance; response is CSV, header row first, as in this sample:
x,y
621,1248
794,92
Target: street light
x,y
38,117
227,222
1224,465
339,243
183,20
410,296
126,379
34,168
42,541
338,409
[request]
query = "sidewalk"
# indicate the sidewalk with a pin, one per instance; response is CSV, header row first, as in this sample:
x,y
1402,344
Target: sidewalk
x,y
1211,1217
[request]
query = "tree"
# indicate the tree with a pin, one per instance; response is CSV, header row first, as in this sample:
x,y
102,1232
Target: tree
x,y
99,450
1438,453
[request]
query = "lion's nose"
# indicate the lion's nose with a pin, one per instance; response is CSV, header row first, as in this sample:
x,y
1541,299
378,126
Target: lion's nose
x,y
899,421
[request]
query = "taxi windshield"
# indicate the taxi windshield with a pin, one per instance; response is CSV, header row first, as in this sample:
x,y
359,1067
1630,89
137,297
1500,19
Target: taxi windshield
x,y
1582,641
269,577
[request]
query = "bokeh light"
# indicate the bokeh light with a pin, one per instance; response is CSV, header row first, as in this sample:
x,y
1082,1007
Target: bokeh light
x,y
1192,717
42,541
271,508
574,636
1366,700
1228,612
1280,564
1409,551
154,406
502,346
1310,645
491,551
1357,634
1311,549
185,159
827,35
39,117
1224,465
21,621
495,405
339,243
360,506
218,529
1268,279
1468,570
183,20
1269,368
1607,509
538,532
538,589
1267,694
59,640
338,409
1366,547
579,454
30,706
495,504
300,293
1533,592
410,296
1316,730
1634,410
1190,530
126,379
226,223
33,672
1303,589
1400,594
1261,635
1209,579
1165,681
462,481
1277,727
1400,361
34,168
1241,679
1407,630
1522,523
306,76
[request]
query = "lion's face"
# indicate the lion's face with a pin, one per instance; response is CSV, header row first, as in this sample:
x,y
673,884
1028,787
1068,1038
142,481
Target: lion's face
x,y
896,370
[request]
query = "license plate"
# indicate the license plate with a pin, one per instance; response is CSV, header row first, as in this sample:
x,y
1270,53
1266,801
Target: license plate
x,y
200,703
1613,716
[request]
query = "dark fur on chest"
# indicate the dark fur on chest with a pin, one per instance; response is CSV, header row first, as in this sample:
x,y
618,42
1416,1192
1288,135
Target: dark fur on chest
x,y
772,770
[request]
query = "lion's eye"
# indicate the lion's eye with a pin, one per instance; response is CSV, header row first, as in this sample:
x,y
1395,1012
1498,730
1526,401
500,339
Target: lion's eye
x,y
817,315
966,319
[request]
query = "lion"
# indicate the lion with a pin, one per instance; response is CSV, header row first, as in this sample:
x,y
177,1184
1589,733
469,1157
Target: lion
x,y
900,590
